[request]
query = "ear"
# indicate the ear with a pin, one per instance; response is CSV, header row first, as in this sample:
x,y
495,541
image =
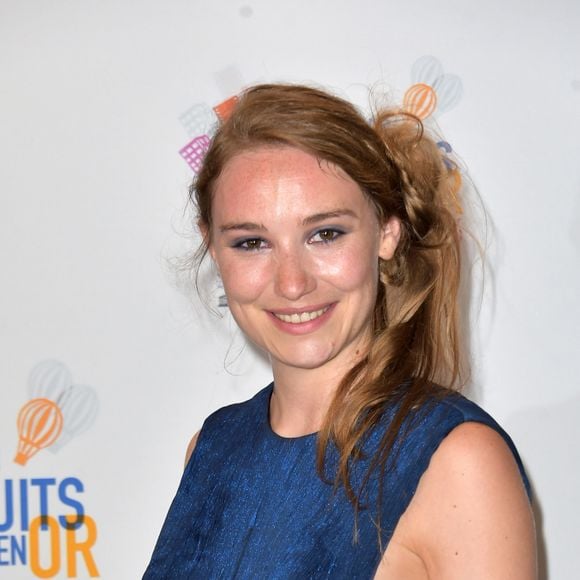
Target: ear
x,y
390,236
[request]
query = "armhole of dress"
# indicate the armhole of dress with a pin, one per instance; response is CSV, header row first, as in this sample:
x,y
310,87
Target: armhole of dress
x,y
482,417
196,451
448,417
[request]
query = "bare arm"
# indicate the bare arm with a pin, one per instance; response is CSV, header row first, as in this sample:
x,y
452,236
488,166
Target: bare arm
x,y
470,517
190,448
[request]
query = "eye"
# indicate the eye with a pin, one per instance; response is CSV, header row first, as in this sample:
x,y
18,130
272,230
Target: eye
x,y
250,244
326,235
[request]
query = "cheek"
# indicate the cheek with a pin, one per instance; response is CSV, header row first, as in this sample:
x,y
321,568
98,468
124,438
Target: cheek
x,y
352,270
243,282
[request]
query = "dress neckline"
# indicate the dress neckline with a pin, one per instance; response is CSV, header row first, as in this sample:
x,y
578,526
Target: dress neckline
x,y
266,417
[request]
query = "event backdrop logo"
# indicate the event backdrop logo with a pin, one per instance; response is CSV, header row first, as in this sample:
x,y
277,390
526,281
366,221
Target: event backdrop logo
x,y
433,92
200,122
45,526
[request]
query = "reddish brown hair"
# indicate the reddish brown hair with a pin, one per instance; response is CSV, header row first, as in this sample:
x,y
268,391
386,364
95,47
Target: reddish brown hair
x,y
400,168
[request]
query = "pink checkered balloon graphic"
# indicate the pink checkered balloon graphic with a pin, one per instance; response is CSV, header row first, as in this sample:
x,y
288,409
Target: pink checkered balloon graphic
x,y
194,152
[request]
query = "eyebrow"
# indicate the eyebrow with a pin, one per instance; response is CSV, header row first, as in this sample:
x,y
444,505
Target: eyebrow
x,y
322,216
243,226
312,219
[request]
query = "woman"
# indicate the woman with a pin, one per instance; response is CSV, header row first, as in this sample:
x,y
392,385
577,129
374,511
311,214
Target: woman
x,y
339,251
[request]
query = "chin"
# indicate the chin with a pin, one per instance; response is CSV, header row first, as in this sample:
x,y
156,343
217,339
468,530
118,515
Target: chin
x,y
307,360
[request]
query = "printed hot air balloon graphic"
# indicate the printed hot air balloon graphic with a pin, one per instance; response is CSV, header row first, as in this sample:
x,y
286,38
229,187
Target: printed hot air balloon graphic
x,y
58,410
48,379
200,122
79,405
432,90
420,99
40,423
195,151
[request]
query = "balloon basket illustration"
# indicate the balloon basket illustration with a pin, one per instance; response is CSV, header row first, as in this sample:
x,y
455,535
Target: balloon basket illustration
x,y
40,423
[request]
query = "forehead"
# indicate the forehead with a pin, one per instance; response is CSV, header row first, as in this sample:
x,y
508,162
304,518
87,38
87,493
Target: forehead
x,y
283,182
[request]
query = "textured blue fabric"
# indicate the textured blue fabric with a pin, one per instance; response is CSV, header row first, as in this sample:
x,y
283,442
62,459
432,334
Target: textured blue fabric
x,y
251,504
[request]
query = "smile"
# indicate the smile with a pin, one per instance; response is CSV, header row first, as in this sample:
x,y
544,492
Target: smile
x,y
302,317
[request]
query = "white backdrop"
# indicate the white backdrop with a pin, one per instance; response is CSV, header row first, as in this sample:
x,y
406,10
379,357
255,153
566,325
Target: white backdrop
x,y
92,191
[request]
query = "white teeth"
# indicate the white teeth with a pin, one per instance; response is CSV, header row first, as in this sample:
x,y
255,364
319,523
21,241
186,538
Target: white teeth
x,y
302,317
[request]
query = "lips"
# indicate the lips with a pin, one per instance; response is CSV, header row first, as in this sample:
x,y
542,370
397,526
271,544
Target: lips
x,y
301,317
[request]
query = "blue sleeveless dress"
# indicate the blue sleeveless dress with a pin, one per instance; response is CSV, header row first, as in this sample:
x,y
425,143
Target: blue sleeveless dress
x,y
251,505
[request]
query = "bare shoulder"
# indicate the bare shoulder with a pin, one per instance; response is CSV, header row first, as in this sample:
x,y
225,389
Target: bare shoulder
x,y
190,447
470,516
477,453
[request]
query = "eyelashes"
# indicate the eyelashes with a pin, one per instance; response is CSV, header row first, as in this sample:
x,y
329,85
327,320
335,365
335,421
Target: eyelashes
x,y
323,236
326,235
250,244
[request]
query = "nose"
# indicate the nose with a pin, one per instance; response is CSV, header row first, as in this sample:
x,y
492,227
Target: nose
x,y
294,277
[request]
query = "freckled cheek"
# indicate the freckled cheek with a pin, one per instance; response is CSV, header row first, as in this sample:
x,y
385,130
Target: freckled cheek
x,y
244,283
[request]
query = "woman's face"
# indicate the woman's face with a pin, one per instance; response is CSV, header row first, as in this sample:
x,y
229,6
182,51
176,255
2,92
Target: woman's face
x,y
297,245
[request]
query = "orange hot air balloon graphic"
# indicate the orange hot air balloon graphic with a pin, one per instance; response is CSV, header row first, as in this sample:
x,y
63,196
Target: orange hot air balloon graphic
x,y
433,90
39,423
420,99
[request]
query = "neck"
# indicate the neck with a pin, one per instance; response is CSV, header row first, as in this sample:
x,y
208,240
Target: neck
x,y
301,398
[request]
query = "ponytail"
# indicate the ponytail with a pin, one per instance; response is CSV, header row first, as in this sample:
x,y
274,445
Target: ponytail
x,y
415,346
